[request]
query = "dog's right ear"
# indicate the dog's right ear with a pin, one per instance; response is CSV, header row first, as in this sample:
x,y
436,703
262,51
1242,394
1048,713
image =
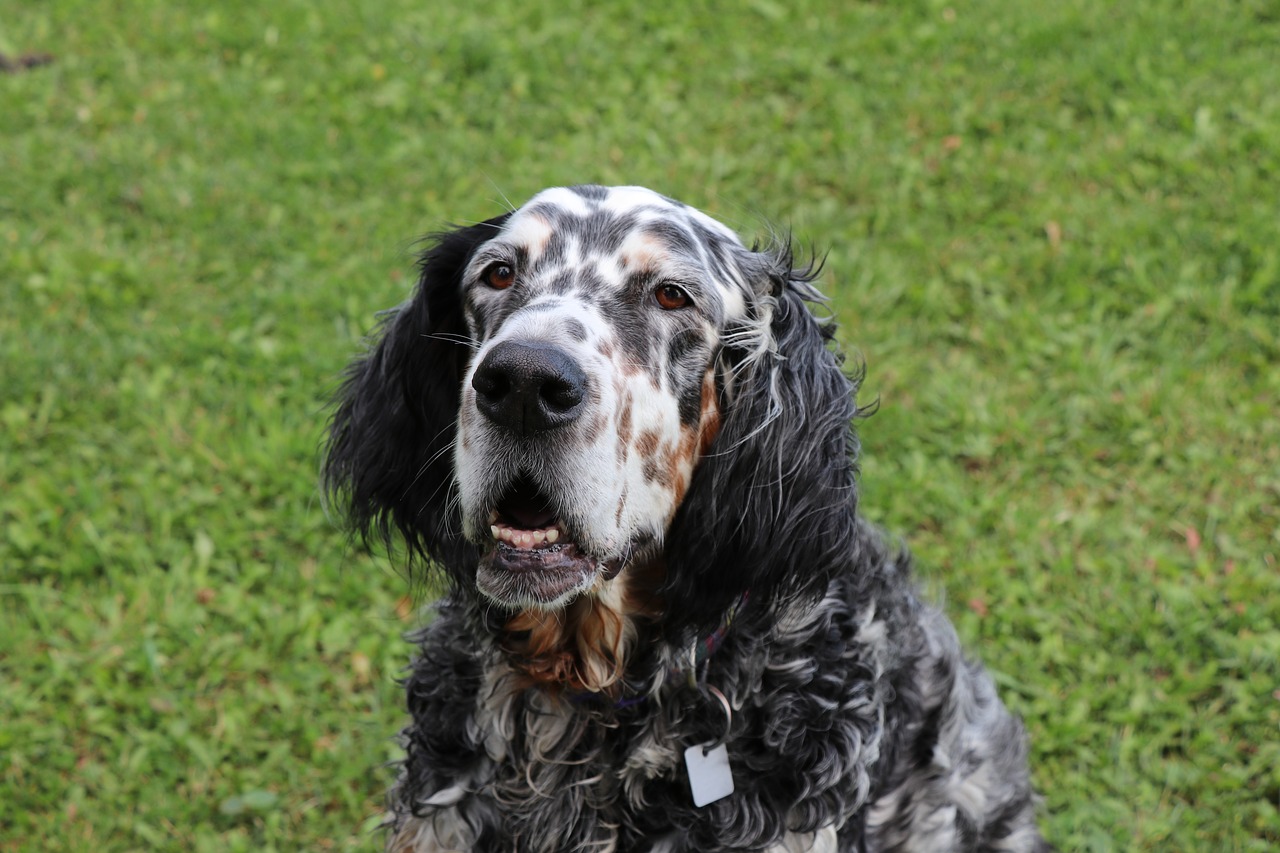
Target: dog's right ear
x,y
389,458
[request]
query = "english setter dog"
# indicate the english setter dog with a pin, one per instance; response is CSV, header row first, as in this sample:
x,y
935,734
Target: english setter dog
x,y
626,442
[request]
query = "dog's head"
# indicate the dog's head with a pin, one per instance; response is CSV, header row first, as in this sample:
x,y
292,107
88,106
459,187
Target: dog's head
x,y
603,381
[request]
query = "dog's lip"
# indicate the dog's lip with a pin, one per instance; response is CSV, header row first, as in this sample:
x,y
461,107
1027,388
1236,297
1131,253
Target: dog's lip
x,y
544,574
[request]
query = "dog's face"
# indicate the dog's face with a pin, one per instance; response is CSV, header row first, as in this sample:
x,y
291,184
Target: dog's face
x,y
602,379
597,317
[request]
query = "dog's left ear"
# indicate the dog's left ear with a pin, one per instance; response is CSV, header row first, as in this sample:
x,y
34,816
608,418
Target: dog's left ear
x,y
389,462
771,508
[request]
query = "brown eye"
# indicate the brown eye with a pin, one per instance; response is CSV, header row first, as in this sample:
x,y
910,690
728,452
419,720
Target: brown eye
x,y
500,276
671,297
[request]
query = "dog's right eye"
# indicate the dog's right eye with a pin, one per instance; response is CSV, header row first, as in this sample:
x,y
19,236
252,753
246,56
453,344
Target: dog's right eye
x,y
499,276
671,298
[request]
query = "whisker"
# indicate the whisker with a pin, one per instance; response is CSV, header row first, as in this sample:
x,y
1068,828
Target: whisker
x,y
510,207
450,338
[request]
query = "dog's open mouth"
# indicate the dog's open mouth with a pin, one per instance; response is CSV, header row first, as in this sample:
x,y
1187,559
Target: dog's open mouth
x,y
534,559
525,519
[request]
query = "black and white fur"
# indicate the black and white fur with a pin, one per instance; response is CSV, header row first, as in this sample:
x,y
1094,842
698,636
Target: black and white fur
x,y
605,419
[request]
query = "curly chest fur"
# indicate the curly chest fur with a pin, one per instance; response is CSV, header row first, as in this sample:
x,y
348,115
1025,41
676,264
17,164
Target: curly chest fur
x,y
504,766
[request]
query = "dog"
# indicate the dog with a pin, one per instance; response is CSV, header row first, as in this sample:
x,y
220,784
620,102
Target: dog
x,y
626,441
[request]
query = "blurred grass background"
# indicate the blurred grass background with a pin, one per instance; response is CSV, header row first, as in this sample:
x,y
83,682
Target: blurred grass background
x,y
1053,238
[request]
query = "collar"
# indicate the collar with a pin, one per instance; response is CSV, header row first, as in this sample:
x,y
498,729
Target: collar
x,y
702,649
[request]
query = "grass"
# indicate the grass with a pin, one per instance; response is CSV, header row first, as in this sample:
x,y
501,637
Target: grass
x,y
1052,236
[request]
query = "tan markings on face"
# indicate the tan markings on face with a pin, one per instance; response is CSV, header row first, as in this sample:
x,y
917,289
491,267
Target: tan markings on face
x,y
643,253
680,463
622,504
680,458
647,443
709,421
655,472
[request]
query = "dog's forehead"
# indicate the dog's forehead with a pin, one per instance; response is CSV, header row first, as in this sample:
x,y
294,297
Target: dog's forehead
x,y
629,204
624,234
633,225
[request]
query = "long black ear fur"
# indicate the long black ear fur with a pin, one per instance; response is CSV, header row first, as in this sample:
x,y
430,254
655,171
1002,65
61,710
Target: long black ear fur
x,y
389,458
771,509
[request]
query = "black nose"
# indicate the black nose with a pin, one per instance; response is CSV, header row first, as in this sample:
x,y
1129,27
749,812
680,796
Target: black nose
x,y
529,388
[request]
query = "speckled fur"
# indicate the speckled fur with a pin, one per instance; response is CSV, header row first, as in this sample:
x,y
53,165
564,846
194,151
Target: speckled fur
x,y
857,722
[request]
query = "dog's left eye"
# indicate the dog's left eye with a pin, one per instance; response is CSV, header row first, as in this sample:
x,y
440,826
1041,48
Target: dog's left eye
x,y
499,276
671,297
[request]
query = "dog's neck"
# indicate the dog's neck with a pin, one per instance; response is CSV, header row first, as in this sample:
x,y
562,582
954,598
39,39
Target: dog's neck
x,y
584,647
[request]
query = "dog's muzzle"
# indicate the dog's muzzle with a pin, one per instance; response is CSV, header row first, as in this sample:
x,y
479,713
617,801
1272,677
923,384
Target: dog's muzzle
x,y
527,389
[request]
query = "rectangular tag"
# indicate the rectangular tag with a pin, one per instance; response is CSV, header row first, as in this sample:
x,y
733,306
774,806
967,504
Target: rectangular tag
x,y
710,778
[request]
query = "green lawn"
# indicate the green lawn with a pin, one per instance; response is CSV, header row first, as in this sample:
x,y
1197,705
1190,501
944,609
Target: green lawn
x,y
1054,235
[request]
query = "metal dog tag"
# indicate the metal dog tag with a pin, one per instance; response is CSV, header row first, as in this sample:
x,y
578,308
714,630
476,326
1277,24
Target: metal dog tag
x,y
710,778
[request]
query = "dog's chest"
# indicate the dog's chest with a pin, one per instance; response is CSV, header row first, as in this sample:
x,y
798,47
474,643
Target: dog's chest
x,y
576,747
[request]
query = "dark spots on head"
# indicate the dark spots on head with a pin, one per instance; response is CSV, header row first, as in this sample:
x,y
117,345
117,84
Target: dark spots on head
x,y
689,404
562,283
684,352
597,230
720,253
622,503
553,214
569,327
591,192
556,248
709,237
605,232
606,348
589,284
635,334
640,285
477,318
673,236
521,258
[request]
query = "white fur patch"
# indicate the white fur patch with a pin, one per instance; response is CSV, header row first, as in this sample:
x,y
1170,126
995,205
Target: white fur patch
x,y
442,832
